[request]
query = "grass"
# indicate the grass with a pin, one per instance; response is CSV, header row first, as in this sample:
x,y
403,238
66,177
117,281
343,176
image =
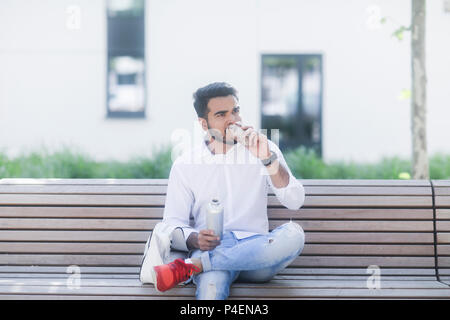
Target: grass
x,y
304,163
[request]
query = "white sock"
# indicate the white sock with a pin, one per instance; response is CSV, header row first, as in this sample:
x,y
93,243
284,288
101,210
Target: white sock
x,y
187,261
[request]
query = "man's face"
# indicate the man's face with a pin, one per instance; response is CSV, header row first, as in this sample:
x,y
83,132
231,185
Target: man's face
x,y
223,111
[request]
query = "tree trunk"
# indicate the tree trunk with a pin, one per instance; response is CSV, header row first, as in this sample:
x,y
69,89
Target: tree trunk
x,y
418,93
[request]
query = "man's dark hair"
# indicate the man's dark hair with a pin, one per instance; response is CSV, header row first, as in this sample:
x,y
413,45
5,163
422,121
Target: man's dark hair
x,y
212,90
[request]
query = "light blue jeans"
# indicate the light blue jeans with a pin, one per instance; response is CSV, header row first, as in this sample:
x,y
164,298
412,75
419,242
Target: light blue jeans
x,y
254,259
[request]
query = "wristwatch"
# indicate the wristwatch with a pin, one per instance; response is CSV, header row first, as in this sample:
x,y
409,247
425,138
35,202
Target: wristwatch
x,y
269,160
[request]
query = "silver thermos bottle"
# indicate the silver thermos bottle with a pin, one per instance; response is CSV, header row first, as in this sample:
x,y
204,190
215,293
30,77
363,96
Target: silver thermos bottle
x,y
214,217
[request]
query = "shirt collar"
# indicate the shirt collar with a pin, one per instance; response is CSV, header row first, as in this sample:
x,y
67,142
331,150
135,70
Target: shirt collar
x,y
205,149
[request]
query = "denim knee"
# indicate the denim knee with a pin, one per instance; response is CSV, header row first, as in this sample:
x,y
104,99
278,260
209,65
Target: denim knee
x,y
294,235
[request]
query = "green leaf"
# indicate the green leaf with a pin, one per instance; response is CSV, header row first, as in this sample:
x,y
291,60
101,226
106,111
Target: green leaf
x,y
399,33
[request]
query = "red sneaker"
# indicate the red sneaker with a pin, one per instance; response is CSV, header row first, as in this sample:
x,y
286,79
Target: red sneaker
x,y
169,275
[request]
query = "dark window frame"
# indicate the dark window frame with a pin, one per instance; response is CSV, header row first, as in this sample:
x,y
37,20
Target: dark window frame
x,y
137,51
299,63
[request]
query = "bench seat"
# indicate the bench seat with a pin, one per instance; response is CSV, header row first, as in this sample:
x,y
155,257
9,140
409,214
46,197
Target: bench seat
x,y
101,226
123,283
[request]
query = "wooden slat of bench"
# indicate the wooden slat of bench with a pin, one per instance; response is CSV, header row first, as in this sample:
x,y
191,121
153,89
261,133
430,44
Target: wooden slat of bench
x,y
45,277
350,214
135,260
359,226
162,189
443,250
80,297
296,293
442,226
350,278
369,250
25,277
82,199
316,296
362,201
443,238
142,236
443,201
444,261
149,224
73,247
445,271
86,189
22,276
99,235
81,212
134,248
307,182
364,237
23,273
442,191
362,261
350,272
293,292
344,284
104,270
117,298
288,273
441,183
71,259
273,213
442,214
78,224
63,270
100,182
367,190
309,295
365,182
275,283
159,200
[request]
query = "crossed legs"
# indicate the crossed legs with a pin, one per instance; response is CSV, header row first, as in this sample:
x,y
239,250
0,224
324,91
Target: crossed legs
x,y
254,259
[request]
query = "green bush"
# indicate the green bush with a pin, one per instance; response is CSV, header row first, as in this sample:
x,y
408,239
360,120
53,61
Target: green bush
x,y
440,166
305,164
69,163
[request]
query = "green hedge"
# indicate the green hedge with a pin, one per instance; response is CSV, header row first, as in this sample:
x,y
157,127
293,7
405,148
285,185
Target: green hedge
x,y
68,163
305,164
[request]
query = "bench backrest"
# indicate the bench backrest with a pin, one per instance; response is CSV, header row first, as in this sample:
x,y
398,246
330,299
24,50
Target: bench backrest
x,y
106,222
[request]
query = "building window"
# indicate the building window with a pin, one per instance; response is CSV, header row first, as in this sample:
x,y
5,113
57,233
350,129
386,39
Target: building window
x,y
446,5
291,99
126,89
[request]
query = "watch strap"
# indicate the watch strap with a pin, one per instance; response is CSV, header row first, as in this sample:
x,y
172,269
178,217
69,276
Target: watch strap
x,y
269,160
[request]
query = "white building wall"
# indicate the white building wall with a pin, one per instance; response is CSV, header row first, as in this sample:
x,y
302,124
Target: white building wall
x,y
52,79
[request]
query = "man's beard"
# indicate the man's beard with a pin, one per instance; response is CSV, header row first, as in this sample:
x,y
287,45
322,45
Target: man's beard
x,y
216,135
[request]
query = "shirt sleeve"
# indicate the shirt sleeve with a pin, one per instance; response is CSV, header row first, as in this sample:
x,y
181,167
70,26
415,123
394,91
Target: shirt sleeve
x,y
291,196
179,201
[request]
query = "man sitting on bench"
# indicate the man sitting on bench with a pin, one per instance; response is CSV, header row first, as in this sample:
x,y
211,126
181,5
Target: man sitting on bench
x,y
240,175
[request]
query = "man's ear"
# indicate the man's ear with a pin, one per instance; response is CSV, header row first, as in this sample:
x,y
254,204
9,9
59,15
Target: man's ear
x,y
203,123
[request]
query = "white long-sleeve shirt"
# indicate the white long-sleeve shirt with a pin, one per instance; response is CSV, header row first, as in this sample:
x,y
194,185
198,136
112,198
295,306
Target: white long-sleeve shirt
x,y
237,178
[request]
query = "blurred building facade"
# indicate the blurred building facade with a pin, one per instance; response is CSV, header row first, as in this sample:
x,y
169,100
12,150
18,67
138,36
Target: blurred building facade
x,y
115,78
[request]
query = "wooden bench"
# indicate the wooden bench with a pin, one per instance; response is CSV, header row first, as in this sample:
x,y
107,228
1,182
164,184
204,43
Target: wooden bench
x,y
101,226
